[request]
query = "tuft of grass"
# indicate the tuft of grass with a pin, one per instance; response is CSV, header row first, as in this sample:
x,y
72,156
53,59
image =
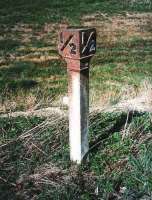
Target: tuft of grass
x,y
138,179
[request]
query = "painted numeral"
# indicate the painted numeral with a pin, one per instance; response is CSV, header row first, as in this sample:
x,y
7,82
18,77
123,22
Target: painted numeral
x,y
92,46
72,48
66,42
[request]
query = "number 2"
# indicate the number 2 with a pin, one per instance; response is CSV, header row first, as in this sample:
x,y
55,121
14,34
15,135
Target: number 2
x,y
73,48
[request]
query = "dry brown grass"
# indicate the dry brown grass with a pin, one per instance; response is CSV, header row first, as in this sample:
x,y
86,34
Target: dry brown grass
x,y
129,100
25,35
116,28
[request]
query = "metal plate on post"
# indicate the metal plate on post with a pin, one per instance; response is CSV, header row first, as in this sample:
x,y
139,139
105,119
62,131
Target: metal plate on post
x,y
77,43
87,43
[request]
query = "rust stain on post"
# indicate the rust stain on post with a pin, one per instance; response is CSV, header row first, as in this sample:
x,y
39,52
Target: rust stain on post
x,y
77,46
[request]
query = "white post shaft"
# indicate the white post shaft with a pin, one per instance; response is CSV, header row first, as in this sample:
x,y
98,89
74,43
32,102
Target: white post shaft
x,y
78,114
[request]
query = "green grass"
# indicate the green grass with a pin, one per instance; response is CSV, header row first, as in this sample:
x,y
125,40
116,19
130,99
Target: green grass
x,y
25,34
26,78
38,166
126,64
8,45
57,11
113,164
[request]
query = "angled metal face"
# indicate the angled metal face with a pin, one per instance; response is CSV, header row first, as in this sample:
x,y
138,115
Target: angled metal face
x,y
69,44
77,43
87,43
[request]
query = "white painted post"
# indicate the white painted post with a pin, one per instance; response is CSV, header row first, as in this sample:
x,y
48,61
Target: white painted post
x,y
77,46
78,114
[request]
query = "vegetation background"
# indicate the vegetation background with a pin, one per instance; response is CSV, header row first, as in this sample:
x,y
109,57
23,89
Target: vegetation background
x,y
34,151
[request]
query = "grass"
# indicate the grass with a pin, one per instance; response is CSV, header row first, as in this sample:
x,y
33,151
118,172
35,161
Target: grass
x,y
111,68
57,11
34,156
25,79
27,154
29,61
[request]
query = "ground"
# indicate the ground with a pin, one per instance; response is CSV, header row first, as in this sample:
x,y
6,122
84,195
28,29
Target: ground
x,y
34,156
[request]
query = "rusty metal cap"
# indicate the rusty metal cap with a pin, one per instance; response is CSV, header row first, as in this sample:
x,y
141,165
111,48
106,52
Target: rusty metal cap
x,y
77,42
